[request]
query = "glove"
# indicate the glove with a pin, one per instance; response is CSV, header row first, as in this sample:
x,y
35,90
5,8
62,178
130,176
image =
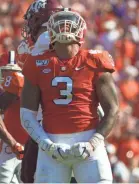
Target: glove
x,y
59,152
81,150
18,149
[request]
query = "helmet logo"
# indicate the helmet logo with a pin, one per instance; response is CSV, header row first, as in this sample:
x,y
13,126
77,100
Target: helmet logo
x,y
40,4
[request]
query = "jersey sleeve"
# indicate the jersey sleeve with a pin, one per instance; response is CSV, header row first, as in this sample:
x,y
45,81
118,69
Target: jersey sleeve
x,y
102,61
13,83
30,70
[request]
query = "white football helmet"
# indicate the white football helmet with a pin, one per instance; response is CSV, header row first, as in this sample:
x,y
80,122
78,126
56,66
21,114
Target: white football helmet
x,y
66,26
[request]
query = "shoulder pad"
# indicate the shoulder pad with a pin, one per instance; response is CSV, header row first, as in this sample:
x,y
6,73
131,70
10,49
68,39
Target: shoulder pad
x,y
100,60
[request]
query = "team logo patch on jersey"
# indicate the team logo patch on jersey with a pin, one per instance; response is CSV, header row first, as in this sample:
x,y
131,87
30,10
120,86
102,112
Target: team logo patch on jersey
x,y
42,62
46,70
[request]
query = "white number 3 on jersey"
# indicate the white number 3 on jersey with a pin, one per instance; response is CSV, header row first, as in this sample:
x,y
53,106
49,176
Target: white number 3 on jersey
x,y
65,93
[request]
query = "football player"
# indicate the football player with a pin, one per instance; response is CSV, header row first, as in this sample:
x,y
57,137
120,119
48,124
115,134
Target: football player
x,y
69,82
12,135
69,86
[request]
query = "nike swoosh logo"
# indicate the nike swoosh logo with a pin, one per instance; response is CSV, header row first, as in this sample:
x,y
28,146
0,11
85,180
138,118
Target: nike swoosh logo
x,y
79,68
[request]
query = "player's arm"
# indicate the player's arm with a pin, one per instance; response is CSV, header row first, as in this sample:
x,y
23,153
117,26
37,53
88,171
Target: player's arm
x,y
106,92
30,97
107,95
30,100
6,99
5,135
17,148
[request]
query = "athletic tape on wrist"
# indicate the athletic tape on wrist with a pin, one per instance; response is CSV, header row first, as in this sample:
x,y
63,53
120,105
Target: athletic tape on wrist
x,y
96,140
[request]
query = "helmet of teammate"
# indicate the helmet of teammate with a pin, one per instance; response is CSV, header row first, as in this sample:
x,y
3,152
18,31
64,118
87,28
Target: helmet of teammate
x,y
10,65
66,26
37,14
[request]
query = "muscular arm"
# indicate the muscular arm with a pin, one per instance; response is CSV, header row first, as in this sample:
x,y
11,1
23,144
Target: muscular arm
x,y
30,100
5,135
6,99
106,92
30,97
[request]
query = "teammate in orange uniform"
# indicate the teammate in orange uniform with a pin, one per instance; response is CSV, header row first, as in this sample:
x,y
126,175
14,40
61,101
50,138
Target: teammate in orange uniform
x,y
12,135
69,82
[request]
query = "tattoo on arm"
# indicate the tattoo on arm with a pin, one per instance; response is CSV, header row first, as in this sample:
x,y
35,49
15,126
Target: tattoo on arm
x,y
106,92
5,135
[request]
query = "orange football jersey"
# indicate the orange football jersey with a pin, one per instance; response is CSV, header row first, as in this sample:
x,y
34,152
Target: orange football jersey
x,y
13,83
69,100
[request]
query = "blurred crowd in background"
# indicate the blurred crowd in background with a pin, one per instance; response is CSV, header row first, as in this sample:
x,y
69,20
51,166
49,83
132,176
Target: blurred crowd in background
x,y
113,25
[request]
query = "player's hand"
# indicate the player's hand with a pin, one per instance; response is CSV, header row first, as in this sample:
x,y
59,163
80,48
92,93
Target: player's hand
x,y
18,149
59,152
82,150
